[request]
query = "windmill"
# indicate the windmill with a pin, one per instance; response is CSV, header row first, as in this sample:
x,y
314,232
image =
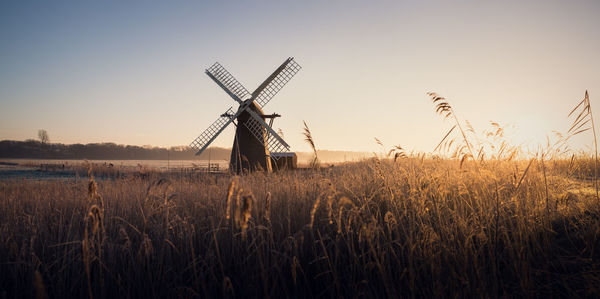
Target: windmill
x,y
256,144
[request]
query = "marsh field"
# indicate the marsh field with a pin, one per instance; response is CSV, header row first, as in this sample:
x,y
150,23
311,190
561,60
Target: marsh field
x,y
477,217
410,227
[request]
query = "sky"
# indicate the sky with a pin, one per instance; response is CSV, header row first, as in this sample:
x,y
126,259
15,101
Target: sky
x,y
132,72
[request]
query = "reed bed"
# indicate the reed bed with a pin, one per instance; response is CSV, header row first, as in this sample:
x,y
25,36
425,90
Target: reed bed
x,y
404,227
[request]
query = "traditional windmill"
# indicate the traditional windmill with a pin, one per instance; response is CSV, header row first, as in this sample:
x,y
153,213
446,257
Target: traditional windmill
x,y
256,144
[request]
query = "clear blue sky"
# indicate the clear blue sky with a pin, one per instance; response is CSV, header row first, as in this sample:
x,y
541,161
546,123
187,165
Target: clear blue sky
x,y
132,72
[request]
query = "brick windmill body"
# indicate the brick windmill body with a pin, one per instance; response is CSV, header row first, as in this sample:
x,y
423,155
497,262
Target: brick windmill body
x,y
256,145
247,151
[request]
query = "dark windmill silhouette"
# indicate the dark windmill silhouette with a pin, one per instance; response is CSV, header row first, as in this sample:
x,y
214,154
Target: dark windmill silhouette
x,y
256,144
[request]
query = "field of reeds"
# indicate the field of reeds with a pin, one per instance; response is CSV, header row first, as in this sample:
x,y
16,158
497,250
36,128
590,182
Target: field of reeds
x,y
414,227
473,219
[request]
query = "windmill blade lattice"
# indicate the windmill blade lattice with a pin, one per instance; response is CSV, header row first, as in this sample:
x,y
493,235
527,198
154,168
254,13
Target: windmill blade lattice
x,y
224,79
266,126
277,83
207,137
250,105
258,130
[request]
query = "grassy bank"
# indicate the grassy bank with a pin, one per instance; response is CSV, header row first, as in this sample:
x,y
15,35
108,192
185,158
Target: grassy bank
x,y
410,228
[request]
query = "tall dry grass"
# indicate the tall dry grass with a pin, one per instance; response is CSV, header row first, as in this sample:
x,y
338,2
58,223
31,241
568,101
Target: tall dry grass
x,y
403,226
314,162
413,227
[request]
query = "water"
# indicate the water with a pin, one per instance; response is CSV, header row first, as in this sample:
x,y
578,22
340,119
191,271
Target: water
x,y
157,164
17,172
30,169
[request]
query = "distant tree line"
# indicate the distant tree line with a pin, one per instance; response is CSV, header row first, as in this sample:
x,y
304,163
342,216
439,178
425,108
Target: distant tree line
x,y
33,149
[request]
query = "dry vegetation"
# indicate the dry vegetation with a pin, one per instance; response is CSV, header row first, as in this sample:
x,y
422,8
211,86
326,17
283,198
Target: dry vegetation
x,y
482,224
414,227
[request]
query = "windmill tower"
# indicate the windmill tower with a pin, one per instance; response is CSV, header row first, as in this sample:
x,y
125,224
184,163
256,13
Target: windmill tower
x,y
256,144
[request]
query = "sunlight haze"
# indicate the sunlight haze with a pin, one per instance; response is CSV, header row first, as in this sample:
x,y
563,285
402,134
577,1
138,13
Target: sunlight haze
x,y
133,72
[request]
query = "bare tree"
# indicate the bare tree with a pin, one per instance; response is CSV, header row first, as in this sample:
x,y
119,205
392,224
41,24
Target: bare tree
x,y
43,136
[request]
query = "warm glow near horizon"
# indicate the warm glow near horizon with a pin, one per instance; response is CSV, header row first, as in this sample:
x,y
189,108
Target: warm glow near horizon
x,y
133,73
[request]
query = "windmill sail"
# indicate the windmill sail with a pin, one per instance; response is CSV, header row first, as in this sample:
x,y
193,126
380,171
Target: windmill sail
x,y
207,137
272,85
255,125
224,79
270,138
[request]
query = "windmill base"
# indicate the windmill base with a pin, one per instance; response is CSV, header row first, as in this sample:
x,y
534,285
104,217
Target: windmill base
x,y
284,161
249,160
248,152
